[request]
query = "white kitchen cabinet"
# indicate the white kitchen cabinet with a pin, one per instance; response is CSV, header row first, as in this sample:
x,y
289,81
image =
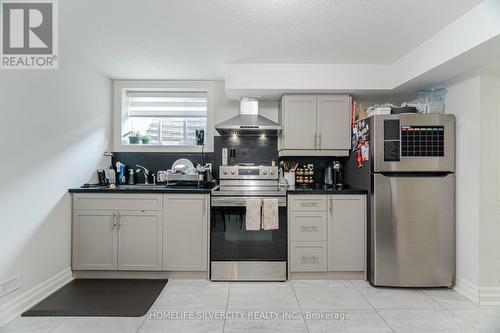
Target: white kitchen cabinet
x,y
299,122
315,125
308,226
308,257
140,240
94,240
346,232
327,232
107,237
185,234
334,122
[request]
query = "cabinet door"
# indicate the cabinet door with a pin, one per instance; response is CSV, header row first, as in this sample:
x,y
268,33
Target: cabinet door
x,y
346,233
308,257
334,122
299,122
185,236
94,240
308,226
140,240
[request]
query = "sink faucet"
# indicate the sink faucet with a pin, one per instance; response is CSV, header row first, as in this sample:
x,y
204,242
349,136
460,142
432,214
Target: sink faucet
x,y
144,171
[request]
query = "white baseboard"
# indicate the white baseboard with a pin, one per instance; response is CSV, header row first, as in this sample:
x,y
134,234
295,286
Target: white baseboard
x,y
467,289
24,301
489,295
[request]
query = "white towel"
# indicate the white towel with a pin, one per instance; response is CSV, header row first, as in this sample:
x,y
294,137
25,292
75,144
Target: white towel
x,y
270,214
253,214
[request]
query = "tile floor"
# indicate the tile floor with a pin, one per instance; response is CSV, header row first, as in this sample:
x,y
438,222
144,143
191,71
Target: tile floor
x,y
193,306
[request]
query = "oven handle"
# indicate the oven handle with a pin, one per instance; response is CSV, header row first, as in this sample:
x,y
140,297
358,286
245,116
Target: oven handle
x,y
241,201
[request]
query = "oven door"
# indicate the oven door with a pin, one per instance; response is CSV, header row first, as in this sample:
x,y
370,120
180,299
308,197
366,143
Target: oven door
x,y
238,254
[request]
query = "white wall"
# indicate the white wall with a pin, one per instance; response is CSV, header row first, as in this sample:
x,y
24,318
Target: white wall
x,y
463,101
489,229
475,100
55,126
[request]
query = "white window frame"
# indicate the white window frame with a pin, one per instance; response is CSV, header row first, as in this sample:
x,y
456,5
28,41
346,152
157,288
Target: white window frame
x,y
120,87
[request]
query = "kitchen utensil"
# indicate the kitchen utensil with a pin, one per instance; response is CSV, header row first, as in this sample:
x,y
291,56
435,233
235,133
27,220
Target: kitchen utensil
x,y
290,178
191,171
182,165
161,176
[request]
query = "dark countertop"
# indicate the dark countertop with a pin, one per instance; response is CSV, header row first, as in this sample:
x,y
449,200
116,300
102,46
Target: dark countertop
x,y
140,189
322,189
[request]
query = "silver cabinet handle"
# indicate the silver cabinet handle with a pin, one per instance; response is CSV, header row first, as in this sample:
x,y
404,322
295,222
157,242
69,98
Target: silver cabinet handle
x,y
319,140
309,204
119,220
204,206
331,207
315,140
311,259
114,220
311,228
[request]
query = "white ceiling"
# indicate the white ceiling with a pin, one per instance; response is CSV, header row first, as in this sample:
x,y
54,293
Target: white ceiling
x,y
189,39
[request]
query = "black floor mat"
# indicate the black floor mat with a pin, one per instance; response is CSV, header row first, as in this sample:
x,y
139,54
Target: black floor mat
x,y
101,297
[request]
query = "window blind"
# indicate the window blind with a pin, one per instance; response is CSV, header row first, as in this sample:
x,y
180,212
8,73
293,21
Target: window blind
x,y
168,117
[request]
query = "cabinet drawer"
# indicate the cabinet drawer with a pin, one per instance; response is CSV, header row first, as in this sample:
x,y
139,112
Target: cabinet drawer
x,y
117,201
308,226
307,203
308,256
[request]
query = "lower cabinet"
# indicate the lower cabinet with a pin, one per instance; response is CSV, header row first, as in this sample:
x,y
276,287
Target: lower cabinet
x,y
169,234
308,256
185,238
327,233
346,233
140,240
117,240
94,240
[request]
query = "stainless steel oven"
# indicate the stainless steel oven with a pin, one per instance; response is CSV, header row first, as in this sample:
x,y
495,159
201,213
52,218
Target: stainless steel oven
x,y
237,254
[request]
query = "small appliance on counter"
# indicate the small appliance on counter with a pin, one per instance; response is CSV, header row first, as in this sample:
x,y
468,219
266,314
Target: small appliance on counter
x,y
338,176
334,175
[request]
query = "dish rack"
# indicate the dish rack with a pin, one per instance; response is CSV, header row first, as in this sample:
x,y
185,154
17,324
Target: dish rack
x,y
184,179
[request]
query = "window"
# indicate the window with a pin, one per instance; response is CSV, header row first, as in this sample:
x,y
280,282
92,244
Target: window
x,y
162,115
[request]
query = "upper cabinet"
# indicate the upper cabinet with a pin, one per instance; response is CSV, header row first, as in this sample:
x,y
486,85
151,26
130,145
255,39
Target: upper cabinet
x,y
315,125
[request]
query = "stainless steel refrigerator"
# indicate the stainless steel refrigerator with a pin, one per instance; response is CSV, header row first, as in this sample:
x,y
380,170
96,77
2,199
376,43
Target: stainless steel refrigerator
x,y
409,176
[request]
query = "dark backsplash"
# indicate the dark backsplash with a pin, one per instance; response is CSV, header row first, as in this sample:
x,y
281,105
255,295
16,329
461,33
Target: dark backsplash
x,y
320,163
258,150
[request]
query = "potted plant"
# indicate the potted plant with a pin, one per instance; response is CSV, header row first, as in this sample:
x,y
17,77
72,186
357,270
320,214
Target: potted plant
x,y
144,139
133,138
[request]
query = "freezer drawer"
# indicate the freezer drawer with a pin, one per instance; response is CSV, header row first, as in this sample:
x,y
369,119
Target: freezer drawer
x,y
413,230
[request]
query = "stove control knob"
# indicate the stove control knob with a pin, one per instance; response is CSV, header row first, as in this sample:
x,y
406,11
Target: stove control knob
x,y
271,172
264,172
224,171
232,172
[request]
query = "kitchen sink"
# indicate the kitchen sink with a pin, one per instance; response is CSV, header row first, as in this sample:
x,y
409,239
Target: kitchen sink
x,y
141,187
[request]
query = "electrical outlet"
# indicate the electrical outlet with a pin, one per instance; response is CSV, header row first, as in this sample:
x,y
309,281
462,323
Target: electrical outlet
x,y
10,285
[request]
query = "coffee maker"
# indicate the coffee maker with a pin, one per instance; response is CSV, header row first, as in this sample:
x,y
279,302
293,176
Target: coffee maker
x,y
334,175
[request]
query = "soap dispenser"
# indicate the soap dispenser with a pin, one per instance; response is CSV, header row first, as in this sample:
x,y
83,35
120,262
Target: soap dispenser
x,y
131,177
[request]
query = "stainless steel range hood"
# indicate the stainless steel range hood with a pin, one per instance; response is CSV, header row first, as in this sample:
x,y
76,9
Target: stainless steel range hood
x,y
249,122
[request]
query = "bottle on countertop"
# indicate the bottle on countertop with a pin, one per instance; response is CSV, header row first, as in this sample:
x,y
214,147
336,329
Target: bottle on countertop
x,y
111,175
131,177
120,168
